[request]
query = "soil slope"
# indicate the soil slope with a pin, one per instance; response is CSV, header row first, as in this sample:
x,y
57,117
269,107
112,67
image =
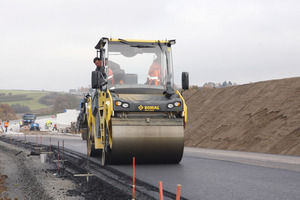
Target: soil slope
x,y
258,117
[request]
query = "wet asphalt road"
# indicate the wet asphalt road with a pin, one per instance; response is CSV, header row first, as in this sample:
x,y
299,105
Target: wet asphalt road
x,y
212,174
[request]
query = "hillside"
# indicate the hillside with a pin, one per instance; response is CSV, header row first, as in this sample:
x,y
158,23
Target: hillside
x,y
38,102
258,117
23,97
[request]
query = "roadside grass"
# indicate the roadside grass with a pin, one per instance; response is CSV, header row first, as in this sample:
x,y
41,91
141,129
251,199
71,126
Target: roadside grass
x,y
23,97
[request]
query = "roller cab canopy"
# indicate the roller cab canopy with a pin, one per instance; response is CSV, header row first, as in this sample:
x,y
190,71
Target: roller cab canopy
x,y
131,63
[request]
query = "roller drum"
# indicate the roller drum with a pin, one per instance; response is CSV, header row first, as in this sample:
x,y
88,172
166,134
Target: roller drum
x,y
156,141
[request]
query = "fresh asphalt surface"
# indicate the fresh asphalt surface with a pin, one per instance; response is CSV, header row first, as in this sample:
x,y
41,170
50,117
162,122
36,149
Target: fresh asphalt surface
x,y
211,174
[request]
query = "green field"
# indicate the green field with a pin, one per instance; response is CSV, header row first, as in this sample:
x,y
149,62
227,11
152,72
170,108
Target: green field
x,y
23,97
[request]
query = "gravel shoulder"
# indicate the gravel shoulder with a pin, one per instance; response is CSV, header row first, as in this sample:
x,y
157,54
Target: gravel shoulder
x,y
23,176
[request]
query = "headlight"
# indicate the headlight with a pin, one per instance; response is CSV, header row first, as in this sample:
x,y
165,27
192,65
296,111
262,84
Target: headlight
x,y
170,105
125,105
176,104
118,103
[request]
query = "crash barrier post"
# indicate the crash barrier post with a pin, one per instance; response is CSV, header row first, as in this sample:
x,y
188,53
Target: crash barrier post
x,y
88,167
178,192
63,158
46,152
38,148
36,143
161,195
58,159
58,156
25,141
133,178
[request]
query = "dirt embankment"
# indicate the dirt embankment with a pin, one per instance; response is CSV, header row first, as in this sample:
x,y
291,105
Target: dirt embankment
x,y
258,117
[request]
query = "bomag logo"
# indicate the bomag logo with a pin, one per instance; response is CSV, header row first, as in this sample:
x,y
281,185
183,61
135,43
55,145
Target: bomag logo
x,y
148,108
140,107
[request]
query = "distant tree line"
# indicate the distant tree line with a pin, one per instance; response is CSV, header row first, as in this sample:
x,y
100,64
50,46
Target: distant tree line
x,y
7,112
194,87
49,99
212,85
60,101
20,108
67,101
3,94
218,85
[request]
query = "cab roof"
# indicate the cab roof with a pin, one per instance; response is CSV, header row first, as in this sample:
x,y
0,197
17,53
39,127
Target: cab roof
x,y
103,40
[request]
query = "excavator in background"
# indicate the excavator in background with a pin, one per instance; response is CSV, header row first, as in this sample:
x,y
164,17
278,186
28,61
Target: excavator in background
x,y
133,111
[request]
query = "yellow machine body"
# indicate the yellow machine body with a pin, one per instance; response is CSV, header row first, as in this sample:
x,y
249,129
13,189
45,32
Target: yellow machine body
x,y
135,119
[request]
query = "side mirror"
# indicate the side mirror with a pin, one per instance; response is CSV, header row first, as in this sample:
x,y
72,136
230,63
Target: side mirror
x,y
185,80
96,79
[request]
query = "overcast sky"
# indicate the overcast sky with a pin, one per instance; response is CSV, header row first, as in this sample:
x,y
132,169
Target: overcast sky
x,y
50,44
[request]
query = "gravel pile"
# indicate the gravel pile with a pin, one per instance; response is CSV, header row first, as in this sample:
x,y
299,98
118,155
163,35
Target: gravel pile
x,y
23,176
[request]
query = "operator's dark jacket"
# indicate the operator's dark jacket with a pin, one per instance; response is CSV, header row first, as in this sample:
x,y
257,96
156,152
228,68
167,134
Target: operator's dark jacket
x,y
101,69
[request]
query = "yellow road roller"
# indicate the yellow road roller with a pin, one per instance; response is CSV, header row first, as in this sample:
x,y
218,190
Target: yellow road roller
x,y
135,109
